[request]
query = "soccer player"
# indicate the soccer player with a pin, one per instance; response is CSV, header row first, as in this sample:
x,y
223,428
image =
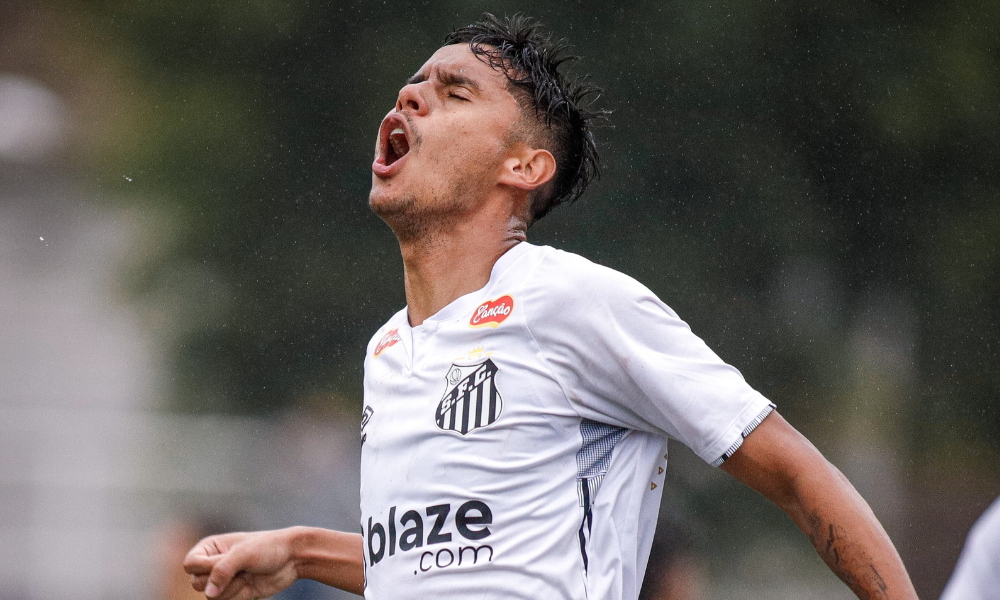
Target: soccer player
x,y
516,410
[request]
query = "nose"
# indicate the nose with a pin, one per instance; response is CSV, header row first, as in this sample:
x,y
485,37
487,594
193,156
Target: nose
x,y
410,98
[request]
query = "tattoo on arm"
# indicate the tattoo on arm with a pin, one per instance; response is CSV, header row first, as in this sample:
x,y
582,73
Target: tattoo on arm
x,y
879,580
839,553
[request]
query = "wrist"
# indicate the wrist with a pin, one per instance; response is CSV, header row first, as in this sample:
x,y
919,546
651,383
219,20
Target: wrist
x,y
331,557
299,540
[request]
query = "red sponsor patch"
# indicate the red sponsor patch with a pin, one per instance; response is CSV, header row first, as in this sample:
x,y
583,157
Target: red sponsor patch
x,y
492,313
390,338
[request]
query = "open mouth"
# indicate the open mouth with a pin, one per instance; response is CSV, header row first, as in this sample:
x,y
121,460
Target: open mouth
x,y
397,146
393,144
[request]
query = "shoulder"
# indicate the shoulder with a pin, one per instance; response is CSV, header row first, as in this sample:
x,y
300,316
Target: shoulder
x,y
561,281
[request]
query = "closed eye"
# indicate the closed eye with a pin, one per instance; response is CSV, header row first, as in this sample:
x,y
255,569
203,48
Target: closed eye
x,y
458,96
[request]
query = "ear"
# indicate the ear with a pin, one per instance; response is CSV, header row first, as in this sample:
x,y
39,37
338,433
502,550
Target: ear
x,y
528,168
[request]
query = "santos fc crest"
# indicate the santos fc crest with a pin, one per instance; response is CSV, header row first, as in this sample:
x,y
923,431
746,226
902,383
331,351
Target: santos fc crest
x,y
471,400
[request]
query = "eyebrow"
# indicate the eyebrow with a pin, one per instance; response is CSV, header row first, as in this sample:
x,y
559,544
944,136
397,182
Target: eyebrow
x,y
448,78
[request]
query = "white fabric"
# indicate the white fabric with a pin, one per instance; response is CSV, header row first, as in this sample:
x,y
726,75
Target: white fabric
x,y
589,373
977,575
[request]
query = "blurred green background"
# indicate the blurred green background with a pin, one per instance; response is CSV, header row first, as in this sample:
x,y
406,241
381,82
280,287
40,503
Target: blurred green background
x,y
812,186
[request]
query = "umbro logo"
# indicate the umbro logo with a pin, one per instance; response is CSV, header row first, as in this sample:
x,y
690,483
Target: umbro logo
x,y
471,399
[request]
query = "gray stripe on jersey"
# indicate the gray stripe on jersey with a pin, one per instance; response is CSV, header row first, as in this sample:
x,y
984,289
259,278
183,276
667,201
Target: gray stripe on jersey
x,y
594,456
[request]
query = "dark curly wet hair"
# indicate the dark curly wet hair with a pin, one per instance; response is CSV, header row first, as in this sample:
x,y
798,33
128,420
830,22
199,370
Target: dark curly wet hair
x,y
530,59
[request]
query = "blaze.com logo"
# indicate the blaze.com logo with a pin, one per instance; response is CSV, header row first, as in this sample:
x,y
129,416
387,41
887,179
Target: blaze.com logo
x,y
436,550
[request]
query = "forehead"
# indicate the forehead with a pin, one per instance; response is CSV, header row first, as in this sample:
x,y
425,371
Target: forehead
x,y
458,59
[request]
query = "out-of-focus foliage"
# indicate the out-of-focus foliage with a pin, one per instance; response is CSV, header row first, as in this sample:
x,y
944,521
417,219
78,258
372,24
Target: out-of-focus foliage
x,y
773,170
791,177
851,145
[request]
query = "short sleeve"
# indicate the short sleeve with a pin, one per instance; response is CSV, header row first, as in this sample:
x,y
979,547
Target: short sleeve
x,y
624,357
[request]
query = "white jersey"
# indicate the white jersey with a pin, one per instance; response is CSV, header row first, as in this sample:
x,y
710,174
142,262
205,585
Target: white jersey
x,y
514,444
977,574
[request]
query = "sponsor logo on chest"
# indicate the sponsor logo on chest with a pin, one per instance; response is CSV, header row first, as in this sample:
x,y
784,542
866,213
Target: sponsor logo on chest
x,y
471,399
436,550
492,312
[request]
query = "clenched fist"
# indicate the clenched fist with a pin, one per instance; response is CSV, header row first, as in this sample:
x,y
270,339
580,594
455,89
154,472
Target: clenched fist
x,y
245,566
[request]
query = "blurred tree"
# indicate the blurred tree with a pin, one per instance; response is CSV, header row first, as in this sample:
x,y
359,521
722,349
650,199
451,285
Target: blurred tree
x,y
812,186
761,155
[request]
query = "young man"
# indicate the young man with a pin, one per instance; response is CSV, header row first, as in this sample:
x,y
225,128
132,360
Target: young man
x,y
516,411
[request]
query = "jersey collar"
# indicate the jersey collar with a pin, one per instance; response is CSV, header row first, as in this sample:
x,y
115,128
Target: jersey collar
x,y
465,304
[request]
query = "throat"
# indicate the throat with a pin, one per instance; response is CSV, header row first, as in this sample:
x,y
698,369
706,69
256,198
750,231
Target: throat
x,y
437,276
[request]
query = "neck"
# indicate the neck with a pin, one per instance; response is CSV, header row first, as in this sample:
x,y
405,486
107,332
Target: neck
x,y
456,258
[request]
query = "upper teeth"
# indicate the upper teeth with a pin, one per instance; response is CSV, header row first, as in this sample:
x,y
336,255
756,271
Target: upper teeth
x,y
397,139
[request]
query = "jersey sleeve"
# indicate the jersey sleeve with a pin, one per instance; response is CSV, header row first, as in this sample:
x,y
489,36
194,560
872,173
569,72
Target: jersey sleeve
x,y
623,357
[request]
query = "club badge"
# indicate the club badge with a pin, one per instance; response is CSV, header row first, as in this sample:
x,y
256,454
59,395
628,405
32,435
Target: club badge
x,y
492,312
471,400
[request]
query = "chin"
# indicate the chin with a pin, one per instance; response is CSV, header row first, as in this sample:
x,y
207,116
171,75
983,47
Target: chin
x,y
388,205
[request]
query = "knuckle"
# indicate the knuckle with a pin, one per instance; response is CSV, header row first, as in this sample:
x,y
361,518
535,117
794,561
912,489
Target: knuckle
x,y
199,582
221,574
193,567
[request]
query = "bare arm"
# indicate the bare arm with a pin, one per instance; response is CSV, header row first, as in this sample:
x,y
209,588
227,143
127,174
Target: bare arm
x,y
782,465
243,566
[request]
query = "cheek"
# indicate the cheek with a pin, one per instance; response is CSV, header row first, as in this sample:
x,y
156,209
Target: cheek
x,y
480,150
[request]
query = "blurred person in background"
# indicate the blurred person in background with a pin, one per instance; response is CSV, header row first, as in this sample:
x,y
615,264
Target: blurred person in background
x,y
562,379
673,572
977,574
